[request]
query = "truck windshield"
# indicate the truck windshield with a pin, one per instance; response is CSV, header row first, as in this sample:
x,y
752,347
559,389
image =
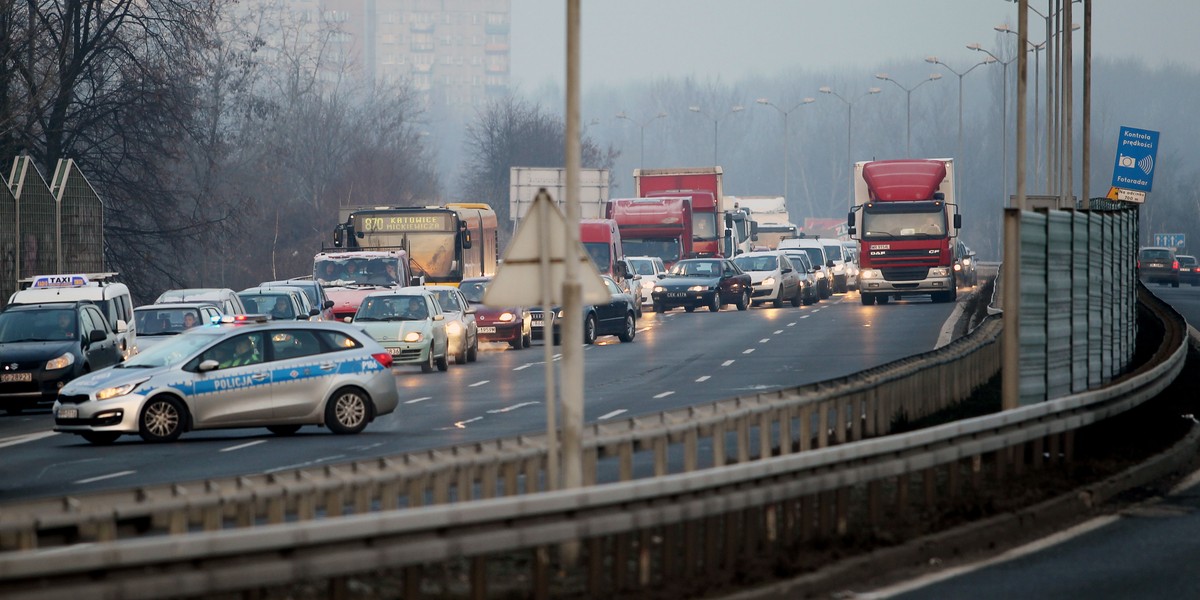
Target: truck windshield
x,y
600,255
891,224
704,226
357,270
666,249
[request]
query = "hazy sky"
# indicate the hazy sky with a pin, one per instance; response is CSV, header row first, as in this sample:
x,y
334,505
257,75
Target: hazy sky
x,y
631,40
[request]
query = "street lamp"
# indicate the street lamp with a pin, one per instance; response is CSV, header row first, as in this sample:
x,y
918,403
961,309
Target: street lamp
x,y
935,61
642,132
716,123
908,104
1003,115
849,123
786,138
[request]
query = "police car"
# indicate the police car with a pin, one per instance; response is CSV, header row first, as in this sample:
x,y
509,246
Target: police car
x,y
244,371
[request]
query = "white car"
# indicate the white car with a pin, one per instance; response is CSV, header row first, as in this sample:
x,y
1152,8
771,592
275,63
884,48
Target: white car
x,y
461,329
651,269
409,324
773,277
819,259
850,249
836,253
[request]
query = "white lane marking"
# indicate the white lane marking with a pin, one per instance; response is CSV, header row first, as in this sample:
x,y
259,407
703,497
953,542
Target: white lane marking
x,y
816,310
323,459
805,316
479,383
246,445
508,408
463,424
663,395
778,331
764,340
28,437
416,400
611,414
747,350
1015,553
109,476
703,378
524,366
727,363
793,323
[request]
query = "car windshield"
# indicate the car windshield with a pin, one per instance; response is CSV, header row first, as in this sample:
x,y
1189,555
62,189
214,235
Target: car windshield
x,y
695,268
49,325
1156,254
175,350
756,263
165,321
642,266
393,308
473,290
834,252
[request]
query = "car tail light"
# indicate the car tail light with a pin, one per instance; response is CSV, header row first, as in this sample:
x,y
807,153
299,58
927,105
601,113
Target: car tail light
x,y
1197,269
1174,265
384,359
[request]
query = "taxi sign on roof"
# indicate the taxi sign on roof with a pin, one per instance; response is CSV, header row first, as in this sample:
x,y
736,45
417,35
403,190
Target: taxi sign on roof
x,y
59,281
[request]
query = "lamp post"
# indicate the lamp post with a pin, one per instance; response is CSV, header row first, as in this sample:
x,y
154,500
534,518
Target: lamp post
x,y
1003,115
934,60
849,127
716,123
786,138
641,133
908,104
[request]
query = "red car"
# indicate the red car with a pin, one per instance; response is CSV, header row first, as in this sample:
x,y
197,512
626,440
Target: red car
x,y
510,324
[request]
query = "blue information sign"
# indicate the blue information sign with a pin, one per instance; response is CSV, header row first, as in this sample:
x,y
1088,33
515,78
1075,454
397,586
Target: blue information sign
x,y
1170,240
1134,167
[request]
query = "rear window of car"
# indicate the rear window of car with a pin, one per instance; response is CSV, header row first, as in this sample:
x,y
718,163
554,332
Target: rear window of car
x,y
1186,260
1154,254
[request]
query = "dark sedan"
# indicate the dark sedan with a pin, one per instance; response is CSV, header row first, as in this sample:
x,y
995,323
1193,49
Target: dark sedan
x,y
708,282
1158,265
616,317
511,324
1189,269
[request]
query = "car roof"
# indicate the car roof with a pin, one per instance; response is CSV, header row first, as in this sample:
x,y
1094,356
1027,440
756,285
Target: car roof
x,y
271,288
406,291
49,305
176,305
759,253
440,288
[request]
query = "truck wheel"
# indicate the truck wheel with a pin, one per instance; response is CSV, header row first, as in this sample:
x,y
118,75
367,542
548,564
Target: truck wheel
x,y
744,300
868,299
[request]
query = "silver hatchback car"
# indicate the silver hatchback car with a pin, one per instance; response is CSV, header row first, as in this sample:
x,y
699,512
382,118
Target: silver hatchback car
x,y
243,372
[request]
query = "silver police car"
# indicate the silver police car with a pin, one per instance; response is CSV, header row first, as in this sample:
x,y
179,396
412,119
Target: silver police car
x,y
243,372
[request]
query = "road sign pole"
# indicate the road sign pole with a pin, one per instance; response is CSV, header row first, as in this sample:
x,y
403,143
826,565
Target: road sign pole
x,y
543,209
572,326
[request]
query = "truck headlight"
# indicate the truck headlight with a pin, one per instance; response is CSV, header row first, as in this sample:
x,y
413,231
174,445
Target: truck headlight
x,y
67,359
939,272
870,274
412,336
769,282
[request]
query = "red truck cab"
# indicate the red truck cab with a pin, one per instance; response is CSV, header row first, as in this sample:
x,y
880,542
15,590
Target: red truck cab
x,y
659,227
702,186
602,240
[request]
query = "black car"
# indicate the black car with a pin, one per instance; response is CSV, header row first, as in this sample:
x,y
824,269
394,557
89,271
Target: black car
x,y
617,317
43,346
708,282
1158,265
1189,269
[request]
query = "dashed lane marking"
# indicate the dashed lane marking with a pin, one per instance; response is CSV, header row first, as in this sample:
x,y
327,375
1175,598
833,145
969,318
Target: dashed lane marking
x,y
778,331
612,414
109,476
416,400
663,395
479,383
747,350
727,363
513,407
246,445
764,340
703,378
28,437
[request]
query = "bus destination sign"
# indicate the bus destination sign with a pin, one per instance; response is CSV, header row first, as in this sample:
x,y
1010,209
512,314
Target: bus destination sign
x,y
381,222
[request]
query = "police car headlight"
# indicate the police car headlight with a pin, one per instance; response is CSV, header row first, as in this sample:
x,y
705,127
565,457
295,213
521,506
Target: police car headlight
x,y
118,391
870,274
453,327
412,336
939,272
67,359
769,282
506,317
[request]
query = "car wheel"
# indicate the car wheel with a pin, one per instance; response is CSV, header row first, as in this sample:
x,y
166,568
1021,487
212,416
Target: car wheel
x,y
744,300
657,307
868,299
161,420
427,366
715,304
348,411
630,329
100,438
527,341
283,429
517,344
690,308
797,300
589,329
473,352
778,302
1174,284
460,357
443,362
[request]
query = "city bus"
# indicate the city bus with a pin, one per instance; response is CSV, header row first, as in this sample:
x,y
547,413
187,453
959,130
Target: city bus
x,y
444,243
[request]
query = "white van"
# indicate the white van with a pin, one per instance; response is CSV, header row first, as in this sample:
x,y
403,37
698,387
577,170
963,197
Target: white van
x,y
112,298
226,299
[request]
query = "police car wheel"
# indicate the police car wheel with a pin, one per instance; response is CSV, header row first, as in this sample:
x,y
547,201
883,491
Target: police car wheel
x,y
348,411
100,438
283,429
161,420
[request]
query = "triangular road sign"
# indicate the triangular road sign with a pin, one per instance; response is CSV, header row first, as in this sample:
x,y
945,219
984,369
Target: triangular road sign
x,y
518,281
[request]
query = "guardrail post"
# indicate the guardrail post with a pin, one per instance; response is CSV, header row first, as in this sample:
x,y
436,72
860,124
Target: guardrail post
x,y
660,455
823,425
625,460
874,506
928,485
1038,445
670,566
591,458
743,439
595,566
690,450
478,578
843,510
620,562
764,434
412,582
541,573
335,589
690,541
806,517
718,443
806,427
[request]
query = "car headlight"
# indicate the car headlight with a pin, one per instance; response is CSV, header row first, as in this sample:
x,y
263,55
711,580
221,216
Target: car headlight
x,y
67,359
870,274
769,282
698,288
647,283
453,327
506,317
118,390
413,336
939,272
659,288
957,267
966,261
558,314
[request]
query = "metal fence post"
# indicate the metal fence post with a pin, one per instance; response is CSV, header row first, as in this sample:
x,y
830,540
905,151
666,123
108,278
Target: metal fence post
x,y
1033,307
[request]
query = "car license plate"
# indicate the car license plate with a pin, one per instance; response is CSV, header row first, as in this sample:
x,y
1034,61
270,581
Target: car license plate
x,y
68,413
7,377
538,324
487,330
676,294
395,351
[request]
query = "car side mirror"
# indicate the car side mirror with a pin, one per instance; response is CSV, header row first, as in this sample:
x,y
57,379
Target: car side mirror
x,y
829,264
314,312
328,305
470,310
97,335
787,270
122,326
957,221
207,365
439,317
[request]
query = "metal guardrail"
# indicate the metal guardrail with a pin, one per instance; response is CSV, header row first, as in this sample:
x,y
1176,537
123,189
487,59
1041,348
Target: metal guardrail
x,y
737,430
675,534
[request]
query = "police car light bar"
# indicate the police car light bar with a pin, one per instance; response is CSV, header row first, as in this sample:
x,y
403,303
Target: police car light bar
x,y
240,319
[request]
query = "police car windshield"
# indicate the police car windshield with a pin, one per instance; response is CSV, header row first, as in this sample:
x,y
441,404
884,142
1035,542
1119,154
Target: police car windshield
x,y
50,325
172,351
